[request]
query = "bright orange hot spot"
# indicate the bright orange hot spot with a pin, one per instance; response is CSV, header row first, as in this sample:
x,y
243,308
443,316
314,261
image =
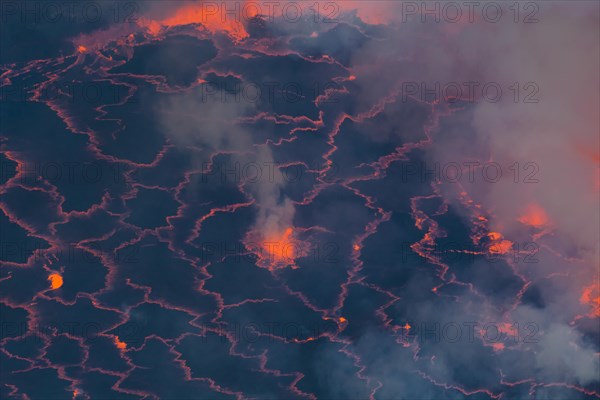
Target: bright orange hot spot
x,y
495,235
407,326
280,248
82,49
356,247
309,339
534,216
342,319
120,345
56,280
501,247
591,296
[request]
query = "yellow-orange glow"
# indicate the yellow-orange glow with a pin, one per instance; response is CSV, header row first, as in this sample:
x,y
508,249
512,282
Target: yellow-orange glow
x,y
153,27
501,247
407,326
281,248
214,16
56,280
534,216
82,49
276,248
120,345
495,235
591,297
309,339
356,247
342,319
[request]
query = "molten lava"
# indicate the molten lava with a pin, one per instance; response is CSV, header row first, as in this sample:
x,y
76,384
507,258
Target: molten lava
x,y
56,281
211,16
499,245
591,297
277,248
280,248
120,345
534,216
495,235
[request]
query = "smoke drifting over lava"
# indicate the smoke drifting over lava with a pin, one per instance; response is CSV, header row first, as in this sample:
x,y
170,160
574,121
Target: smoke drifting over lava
x,y
300,200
